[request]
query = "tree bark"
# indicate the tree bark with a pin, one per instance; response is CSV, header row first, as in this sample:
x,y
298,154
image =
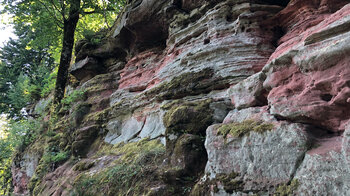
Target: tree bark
x,y
69,27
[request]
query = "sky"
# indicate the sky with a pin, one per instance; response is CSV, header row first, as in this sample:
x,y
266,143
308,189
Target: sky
x,y
5,33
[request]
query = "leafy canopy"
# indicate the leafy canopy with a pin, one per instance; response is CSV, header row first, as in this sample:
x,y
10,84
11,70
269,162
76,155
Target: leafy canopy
x,y
26,62
46,19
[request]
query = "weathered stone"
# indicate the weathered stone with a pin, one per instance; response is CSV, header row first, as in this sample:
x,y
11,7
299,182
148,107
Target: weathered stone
x,y
83,138
22,172
129,129
314,87
114,130
42,106
250,92
136,20
188,117
346,145
220,110
252,155
164,71
321,174
153,126
86,69
106,47
189,156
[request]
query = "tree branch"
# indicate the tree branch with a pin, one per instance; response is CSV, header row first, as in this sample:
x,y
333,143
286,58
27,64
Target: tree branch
x,y
58,22
97,11
56,8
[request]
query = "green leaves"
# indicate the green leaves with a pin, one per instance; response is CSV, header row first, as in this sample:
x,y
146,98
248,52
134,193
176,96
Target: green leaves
x,y
19,134
23,71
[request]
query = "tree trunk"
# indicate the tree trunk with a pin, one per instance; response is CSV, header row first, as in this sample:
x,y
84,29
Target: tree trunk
x,y
69,27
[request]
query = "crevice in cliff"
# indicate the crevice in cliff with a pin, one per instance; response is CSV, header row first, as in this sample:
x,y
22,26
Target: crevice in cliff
x,y
278,34
320,141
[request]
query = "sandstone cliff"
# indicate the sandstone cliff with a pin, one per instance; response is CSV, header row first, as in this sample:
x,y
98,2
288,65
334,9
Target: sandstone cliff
x,y
204,97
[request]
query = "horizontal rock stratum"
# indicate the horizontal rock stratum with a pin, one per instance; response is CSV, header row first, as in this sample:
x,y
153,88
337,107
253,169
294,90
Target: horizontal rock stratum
x,y
206,97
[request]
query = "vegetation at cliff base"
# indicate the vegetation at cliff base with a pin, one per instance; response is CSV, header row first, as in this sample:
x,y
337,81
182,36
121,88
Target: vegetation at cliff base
x,y
34,62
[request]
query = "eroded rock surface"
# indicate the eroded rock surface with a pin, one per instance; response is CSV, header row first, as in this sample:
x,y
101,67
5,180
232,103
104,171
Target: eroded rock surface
x,y
261,159
205,97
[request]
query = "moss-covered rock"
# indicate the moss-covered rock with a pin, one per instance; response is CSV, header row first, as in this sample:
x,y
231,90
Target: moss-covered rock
x,y
188,117
83,138
243,128
79,113
201,188
187,84
186,162
52,157
287,189
132,173
83,165
230,182
189,154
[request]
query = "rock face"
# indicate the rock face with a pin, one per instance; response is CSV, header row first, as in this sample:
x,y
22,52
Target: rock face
x,y
247,97
262,160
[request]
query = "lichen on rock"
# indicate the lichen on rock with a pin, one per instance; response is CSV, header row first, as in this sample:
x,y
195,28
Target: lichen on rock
x,y
287,189
243,128
202,97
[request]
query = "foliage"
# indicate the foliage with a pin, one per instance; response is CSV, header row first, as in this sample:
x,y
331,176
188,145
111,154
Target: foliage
x,y
52,157
46,21
26,72
19,94
6,149
5,177
127,176
49,84
92,37
23,132
71,98
16,136
23,71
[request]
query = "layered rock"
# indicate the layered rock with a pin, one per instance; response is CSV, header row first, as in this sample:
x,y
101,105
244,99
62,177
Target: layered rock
x,y
263,83
305,81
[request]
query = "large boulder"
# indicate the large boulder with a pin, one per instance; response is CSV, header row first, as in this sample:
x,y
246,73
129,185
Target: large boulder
x,y
264,154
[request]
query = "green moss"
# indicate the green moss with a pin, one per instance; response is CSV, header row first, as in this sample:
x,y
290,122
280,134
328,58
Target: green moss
x,y
200,189
94,38
130,174
244,128
116,180
287,189
188,117
52,157
230,182
71,98
183,85
132,151
79,113
176,115
83,165
97,117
